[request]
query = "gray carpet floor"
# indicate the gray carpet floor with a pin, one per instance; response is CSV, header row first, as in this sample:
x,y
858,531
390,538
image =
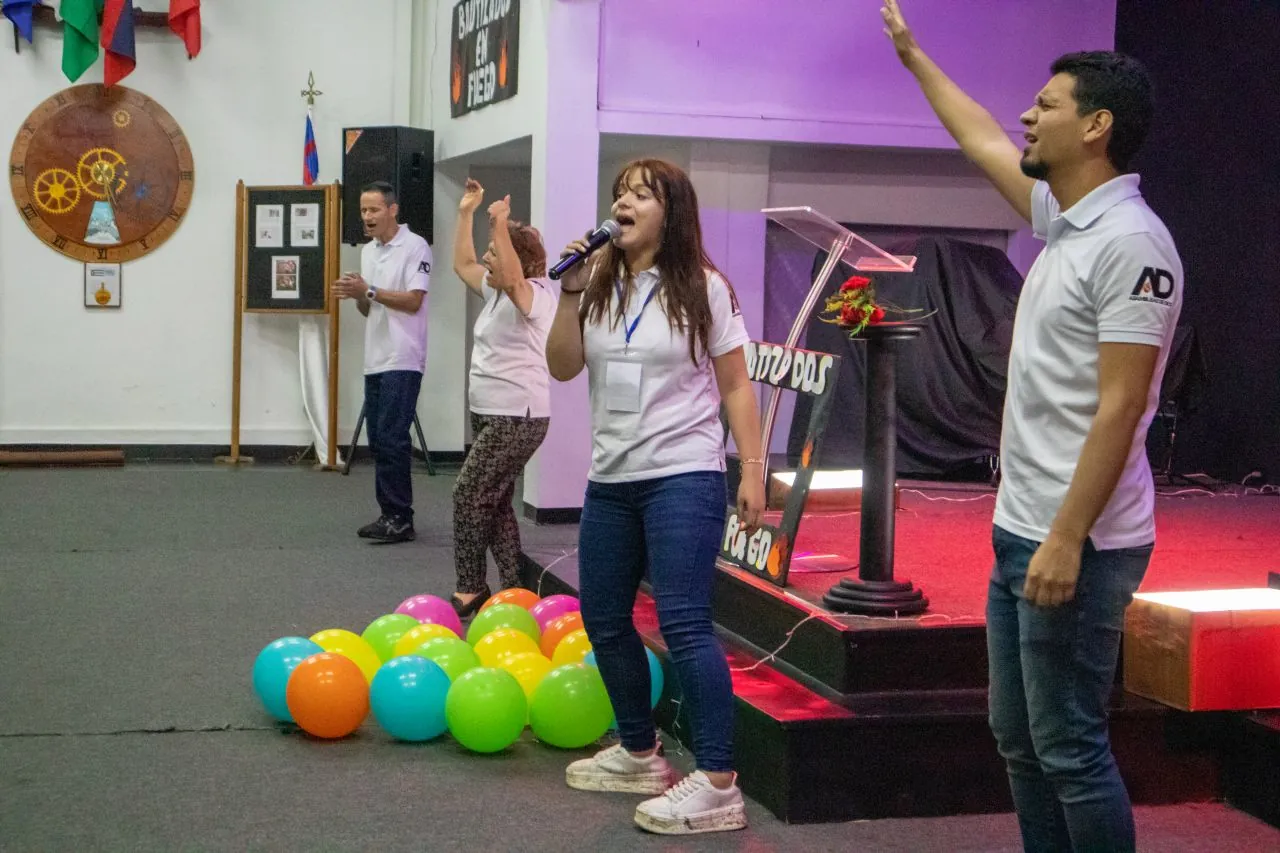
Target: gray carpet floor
x,y
132,604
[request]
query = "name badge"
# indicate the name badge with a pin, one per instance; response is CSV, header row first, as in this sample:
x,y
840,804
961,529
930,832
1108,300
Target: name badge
x,y
622,386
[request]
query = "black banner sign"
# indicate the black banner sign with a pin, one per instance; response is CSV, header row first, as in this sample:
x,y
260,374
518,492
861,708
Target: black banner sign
x,y
486,52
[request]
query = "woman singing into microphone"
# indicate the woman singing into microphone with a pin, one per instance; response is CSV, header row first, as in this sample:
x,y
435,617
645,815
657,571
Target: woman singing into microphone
x,y
509,395
658,329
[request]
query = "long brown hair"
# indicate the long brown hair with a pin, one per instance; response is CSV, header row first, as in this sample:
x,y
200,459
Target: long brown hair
x,y
681,257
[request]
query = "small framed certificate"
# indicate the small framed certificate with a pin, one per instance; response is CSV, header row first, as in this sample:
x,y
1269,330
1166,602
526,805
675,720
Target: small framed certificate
x,y
102,286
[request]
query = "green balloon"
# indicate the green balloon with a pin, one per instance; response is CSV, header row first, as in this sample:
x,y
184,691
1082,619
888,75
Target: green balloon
x,y
502,616
486,709
384,631
451,654
570,707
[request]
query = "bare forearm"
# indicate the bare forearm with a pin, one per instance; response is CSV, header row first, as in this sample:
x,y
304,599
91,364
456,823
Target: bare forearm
x,y
963,117
1102,461
464,249
363,305
744,422
565,355
408,302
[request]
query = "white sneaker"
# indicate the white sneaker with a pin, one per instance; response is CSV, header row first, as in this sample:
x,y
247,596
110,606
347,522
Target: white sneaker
x,y
615,769
692,806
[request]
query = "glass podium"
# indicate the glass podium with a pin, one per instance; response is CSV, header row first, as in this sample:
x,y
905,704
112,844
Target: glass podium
x,y
874,591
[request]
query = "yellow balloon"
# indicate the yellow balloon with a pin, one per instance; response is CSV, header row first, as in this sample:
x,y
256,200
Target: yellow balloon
x,y
414,637
528,668
572,649
350,645
504,643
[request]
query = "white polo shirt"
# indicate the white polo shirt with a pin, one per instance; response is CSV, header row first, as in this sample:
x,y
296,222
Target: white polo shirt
x,y
676,428
509,374
394,340
1109,273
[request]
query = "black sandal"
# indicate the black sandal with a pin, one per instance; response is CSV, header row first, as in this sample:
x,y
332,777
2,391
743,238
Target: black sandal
x,y
471,608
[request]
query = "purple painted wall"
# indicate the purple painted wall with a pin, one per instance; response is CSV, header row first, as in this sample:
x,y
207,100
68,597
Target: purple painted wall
x,y
822,70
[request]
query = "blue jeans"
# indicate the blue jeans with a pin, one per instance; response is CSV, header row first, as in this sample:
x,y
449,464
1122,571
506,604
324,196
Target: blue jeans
x,y
1052,670
390,399
670,526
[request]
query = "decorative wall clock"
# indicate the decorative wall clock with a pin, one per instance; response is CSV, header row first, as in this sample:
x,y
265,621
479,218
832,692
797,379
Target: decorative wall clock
x,y
101,174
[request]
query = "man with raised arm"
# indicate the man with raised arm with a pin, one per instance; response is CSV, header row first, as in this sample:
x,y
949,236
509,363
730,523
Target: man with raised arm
x,y
1074,522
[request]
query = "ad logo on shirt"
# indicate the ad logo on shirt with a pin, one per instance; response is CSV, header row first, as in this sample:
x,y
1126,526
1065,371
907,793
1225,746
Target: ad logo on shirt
x,y
424,267
1154,285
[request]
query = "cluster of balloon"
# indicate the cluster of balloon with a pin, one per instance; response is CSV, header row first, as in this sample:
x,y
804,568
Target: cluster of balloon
x,y
523,661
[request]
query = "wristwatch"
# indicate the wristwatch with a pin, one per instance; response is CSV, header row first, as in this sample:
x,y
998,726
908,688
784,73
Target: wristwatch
x,y
371,294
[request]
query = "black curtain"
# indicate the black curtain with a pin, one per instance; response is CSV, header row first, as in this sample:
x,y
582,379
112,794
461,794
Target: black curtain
x,y
951,379
1211,169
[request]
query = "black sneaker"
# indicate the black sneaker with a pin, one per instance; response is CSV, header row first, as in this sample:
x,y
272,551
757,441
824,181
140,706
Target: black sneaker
x,y
388,531
371,528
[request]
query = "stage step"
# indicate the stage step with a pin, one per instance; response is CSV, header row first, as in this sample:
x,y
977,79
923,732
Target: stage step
x,y
1252,771
812,754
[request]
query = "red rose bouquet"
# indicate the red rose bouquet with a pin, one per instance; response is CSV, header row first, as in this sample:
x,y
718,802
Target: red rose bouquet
x,y
854,306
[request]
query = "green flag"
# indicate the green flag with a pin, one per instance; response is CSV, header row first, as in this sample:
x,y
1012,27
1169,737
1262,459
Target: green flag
x,y
79,36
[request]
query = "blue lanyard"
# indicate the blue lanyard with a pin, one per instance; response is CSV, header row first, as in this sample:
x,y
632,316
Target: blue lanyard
x,y
630,330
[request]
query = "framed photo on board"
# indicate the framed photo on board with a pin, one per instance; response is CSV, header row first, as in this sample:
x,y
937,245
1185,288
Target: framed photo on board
x,y
288,248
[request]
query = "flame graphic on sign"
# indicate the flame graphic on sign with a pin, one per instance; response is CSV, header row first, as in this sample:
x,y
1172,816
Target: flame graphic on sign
x,y
502,65
455,88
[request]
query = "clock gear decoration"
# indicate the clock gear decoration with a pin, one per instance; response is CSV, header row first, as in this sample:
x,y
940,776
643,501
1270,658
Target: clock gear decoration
x,y
101,174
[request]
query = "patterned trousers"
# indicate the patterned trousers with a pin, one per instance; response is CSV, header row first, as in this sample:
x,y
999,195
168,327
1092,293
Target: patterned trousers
x,y
483,515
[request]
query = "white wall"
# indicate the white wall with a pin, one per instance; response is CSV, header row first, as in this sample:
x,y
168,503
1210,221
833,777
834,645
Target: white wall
x,y
159,369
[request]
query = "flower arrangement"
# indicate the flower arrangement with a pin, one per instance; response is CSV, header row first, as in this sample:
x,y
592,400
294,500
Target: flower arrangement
x,y
854,306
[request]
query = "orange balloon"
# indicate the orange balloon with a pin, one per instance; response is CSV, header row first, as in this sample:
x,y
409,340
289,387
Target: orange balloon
x,y
327,695
558,630
518,596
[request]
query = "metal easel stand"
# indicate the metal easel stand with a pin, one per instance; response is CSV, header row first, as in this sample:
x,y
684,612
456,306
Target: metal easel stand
x,y
417,426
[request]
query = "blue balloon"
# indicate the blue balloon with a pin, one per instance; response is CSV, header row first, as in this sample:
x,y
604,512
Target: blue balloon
x,y
272,669
407,698
655,674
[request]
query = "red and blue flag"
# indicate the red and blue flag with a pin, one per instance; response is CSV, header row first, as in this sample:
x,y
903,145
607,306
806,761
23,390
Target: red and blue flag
x,y
117,41
310,155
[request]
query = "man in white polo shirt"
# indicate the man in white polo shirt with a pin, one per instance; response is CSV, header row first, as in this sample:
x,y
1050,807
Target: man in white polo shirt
x,y
1074,517
391,290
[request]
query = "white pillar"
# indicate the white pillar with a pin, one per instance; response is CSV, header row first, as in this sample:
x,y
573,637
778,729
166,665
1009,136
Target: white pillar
x,y
566,156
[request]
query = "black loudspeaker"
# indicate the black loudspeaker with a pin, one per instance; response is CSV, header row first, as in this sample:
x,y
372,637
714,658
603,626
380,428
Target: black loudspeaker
x,y
401,156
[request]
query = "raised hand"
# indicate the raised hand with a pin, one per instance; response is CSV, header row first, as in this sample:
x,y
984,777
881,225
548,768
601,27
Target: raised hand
x,y
472,195
897,30
500,210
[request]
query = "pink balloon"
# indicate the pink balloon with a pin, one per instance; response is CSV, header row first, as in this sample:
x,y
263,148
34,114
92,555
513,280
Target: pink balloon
x,y
552,608
432,609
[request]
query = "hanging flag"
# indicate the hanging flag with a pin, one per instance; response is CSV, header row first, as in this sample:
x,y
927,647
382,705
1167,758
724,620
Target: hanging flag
x,y
79,36
117,40
19,12
184,20
310,155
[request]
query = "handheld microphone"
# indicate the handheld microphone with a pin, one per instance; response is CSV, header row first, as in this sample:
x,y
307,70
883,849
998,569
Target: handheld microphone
x,y
606,232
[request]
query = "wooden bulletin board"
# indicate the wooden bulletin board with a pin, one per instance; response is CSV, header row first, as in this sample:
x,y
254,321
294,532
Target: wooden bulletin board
x,y
287,244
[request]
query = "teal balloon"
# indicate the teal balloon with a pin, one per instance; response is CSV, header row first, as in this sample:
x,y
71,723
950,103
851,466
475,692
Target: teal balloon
x,y
486,709
502,616
570,707
272,668
655,675
656,679
407,698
